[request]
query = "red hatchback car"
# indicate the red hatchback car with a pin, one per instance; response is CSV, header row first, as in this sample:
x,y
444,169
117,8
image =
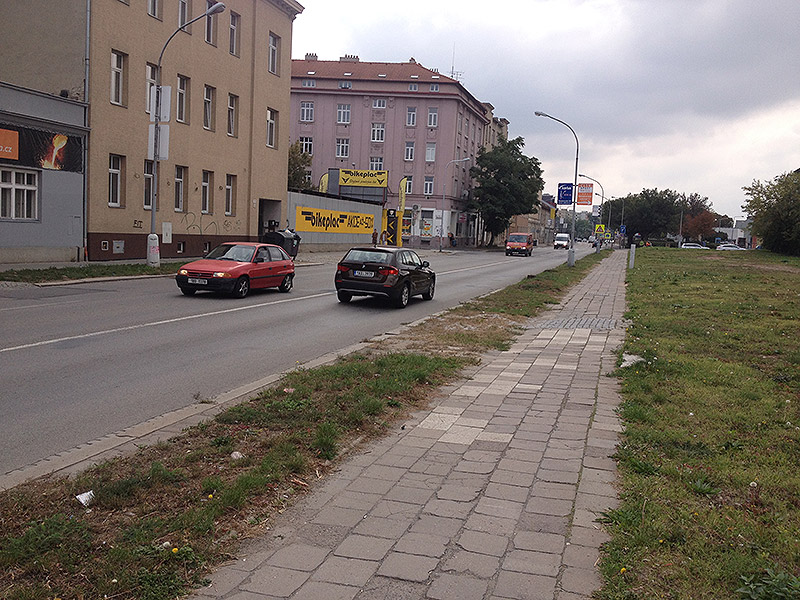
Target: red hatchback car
x,y
237,267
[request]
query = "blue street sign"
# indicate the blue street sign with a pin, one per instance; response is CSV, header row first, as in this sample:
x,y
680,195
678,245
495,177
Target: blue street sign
x,y
565,193
622,229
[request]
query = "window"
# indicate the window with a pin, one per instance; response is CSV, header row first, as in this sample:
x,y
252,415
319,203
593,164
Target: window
x,y
207,192
409,184
209,94
274,53
376,163
211,25
307,111
184,12
379,103
434,87
233,115
307,145
433,117
409,151
152,8
413,87
234,40
430,152
116,170
272,126
181,247
119,83
230,194
309,83
148,185
182,100
342,147
411,116
343,113
345,85
180,178
378,132
428,188
150,78
18,194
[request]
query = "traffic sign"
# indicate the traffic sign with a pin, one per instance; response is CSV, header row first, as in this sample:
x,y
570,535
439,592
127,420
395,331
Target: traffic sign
x,y
565,193
600,228
622,229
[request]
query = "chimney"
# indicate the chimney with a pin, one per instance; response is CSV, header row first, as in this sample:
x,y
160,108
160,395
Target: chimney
x,y
349,58
311,56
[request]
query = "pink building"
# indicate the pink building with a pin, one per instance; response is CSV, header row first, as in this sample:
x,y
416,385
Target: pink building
x,y
402,118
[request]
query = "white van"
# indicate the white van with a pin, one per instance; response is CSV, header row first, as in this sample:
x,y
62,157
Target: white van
x,y
561,241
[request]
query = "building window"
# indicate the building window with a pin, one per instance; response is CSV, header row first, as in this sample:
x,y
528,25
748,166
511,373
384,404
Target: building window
x,y
230,194
233,115
119,76
342,147
413,87
211,25
409,184
411,116
180,247
345,85
379,103
343,114
378,132
430,152
180,178
409,151
307,111
376,163
234,40
308,83
116,171
274,53
153,8
428,188
434,87
207,193
18,194
182,100
272,126
148,185
184,13
307,145
150,78
433,117
209,95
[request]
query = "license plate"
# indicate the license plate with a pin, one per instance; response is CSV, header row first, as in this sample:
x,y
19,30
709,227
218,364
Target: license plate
x,y
196,281
364,273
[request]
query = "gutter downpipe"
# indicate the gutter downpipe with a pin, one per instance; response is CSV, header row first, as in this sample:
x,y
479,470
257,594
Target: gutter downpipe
x,y
88,133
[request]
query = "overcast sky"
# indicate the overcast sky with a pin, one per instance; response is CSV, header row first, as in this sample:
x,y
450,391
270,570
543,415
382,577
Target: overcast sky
x,y
698,96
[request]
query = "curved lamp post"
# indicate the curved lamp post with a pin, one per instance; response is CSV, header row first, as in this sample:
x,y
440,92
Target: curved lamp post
x,y
571,253
444,191
602,202
153,252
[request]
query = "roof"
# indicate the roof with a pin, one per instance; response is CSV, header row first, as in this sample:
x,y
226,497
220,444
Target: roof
x,y
350,67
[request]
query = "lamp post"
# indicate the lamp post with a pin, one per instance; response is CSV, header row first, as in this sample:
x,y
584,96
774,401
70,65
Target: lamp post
x,y
571,253
602,203
444,191
153,252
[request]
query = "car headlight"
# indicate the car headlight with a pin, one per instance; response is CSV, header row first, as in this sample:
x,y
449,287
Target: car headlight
x,y
183,272
222,274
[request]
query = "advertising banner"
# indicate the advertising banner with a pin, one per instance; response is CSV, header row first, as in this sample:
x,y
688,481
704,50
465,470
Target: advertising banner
x,y
585,193
41,149
363,178
565,193
332,221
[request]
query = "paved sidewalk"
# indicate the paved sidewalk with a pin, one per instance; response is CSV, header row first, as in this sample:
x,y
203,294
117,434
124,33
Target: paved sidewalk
x,y
493,493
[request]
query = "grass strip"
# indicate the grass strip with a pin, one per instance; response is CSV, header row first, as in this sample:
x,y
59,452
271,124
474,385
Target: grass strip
x,y
87,271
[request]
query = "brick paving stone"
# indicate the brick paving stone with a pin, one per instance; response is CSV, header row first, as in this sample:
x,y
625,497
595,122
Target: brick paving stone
x,y
382,527
479,565
548,489
300,557
513,478
407,566
395,510
583,557
321,590
459,492
518,466
410,495
580,581
498,507
523,586
588,536
385,588
557,476
275,581
423,544
549,506
557,464
537,563
540,541
250,596
483,543
467,466
506,492
448,508
364,547
370,485
224,580
346,571
462,587
357,500
490,524
384,472
335,515
437,525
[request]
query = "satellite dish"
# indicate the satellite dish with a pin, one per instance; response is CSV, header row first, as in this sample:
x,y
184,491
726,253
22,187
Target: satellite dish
x,y
415,207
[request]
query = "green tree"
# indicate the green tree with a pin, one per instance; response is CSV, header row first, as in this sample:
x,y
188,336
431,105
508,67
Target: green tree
x,y
508,183
651,213
299,164
697,227
775,211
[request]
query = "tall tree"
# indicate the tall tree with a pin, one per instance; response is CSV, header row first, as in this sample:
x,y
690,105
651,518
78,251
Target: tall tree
x,y
508,183
652,213
299,164
696,227
775,211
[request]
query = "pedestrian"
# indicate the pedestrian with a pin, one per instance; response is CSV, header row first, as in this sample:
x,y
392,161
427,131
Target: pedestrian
x,y
384,237
374,237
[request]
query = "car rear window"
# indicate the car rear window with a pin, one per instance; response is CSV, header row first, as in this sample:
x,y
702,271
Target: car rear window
x,y
371,256
518,238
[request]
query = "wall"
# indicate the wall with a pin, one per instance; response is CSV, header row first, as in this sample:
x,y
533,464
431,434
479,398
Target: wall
x,y
331,240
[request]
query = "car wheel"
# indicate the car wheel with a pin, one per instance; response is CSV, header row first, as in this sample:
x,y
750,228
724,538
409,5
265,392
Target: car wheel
x,y
286,284
431,288
242,287
188,291
401,301
344,297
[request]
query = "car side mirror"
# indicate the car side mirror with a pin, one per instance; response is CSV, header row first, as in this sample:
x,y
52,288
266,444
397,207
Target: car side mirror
x,y
425,263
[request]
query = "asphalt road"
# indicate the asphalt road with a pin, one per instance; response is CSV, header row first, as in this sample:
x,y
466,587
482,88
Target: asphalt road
x,y
84,360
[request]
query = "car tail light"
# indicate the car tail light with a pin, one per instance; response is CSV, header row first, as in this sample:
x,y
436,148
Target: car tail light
x,y
342,268
386,271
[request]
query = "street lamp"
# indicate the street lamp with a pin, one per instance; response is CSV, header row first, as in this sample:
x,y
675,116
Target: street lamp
x,y
153,252
444,191
602,203
571,253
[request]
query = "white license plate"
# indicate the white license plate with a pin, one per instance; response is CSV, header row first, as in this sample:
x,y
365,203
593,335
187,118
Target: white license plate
x,y
196,281
364,273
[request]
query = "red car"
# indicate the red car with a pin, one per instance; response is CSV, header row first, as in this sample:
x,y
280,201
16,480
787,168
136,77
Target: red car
x,y
237,267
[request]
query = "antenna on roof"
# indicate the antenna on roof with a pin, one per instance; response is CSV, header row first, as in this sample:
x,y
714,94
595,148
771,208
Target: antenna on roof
x,y
453,73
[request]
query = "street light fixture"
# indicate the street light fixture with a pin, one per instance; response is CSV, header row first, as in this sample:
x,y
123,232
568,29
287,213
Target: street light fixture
x,y
602,202
571,253
153,252
444,191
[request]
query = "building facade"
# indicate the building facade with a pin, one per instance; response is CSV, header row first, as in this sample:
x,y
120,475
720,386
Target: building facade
x,y
542,224
225,170
422,127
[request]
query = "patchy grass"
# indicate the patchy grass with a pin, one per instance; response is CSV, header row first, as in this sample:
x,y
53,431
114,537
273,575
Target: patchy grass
x,y
710,481
87,271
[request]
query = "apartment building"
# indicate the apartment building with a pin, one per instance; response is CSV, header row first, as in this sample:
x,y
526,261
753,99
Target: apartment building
x,y
424,128
229,75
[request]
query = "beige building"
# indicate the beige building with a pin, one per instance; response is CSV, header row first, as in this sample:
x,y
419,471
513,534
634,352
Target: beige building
x,y
225,174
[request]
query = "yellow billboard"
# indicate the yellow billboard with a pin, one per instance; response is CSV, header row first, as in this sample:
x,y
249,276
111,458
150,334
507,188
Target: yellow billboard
x,y
332,221
363,178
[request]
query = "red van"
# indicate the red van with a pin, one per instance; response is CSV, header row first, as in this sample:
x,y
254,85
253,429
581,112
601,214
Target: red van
x,y
520,243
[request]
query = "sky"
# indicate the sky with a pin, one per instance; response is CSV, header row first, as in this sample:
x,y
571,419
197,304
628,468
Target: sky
x,y
696,96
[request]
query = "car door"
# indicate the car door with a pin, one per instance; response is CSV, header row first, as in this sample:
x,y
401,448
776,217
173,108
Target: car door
x,y
261,271
417,273
281,265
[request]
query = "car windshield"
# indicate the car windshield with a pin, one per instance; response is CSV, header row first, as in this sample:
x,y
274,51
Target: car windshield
x,y
517,238
562,237
232,252
367,256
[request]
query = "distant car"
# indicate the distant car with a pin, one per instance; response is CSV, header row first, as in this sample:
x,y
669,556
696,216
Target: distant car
x,y
394,273
694,246
561,241
729,247
519,243
237,267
